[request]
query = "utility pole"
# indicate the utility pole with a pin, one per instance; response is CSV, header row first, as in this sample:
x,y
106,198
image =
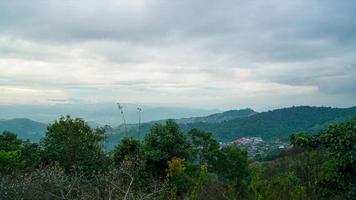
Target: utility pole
x,y
107,131
123,117
139,119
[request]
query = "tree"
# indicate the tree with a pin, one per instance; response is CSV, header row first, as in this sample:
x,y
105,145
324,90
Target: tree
x,y
31,154
205,148
9,141
340,168
303,140
129,148
74,145
162,144
232,166
10,153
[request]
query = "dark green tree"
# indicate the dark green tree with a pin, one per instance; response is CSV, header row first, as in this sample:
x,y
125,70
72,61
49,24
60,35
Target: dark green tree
x,y
74,145
163,143
304,140
31,154
10,153
205,148
9,141
232,167
129,148
340,167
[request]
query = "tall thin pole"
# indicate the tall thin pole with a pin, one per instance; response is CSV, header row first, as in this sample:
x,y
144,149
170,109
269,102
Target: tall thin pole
x,y
107,132
139,119
123,117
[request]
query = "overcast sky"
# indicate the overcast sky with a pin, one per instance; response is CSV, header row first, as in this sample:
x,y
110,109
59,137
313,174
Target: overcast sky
x,y
196,53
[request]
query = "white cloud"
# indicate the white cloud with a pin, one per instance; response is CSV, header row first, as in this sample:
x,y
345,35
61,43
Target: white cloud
x,y
23,95
220,54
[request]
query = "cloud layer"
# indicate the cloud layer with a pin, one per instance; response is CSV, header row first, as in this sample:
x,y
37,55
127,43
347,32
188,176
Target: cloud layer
x,y
221,54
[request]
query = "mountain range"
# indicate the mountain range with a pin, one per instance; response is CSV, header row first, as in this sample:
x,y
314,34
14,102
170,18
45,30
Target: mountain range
x,y
225,126
274,124
101,113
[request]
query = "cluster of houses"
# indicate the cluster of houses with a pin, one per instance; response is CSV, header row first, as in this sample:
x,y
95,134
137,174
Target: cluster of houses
x,y
248,140
256,145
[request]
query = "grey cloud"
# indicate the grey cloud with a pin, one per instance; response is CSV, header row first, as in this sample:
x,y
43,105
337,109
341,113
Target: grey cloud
x,y
296,43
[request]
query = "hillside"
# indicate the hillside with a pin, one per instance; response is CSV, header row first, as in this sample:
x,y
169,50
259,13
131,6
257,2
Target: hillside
x,y
213,118
218,117
24,128
225,126
280,123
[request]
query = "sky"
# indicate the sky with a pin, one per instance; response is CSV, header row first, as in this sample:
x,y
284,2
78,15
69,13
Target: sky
x,y
194,53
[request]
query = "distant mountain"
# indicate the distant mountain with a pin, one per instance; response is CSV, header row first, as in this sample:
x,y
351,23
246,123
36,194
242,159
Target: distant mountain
x,y
24,128
101,113
280,123
134,131
218,117
213,118
94,125
226,126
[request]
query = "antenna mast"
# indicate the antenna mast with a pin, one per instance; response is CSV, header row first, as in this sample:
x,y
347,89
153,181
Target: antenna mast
x,y
123,117
139,119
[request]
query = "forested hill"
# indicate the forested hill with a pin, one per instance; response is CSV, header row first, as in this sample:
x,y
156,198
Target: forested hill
x,y
24,128
213,118
218,117
226,126
280,123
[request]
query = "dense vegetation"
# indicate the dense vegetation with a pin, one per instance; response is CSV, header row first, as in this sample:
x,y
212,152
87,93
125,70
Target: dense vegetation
x,y
70,163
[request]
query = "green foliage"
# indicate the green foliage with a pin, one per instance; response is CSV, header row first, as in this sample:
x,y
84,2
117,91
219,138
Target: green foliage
x,y
73,144
162,144
129,147
322,167
340,169
176,181
205,148
200,182
170,164
232,166
9,141
31,155
304,140
10,154
10,161
290,177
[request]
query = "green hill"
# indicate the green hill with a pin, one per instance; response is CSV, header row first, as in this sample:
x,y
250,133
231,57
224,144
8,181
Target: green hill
x,y
218,117
213,118
226,126
279,123
24,128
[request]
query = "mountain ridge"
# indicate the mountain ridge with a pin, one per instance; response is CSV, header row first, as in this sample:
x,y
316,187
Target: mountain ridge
x,y
225,126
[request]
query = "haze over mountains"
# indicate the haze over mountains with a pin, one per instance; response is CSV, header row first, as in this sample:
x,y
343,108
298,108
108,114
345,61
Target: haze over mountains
x,y
101,113
225,126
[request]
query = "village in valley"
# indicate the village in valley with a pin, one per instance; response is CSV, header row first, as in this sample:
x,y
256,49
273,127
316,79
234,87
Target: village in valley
x,y
257,147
